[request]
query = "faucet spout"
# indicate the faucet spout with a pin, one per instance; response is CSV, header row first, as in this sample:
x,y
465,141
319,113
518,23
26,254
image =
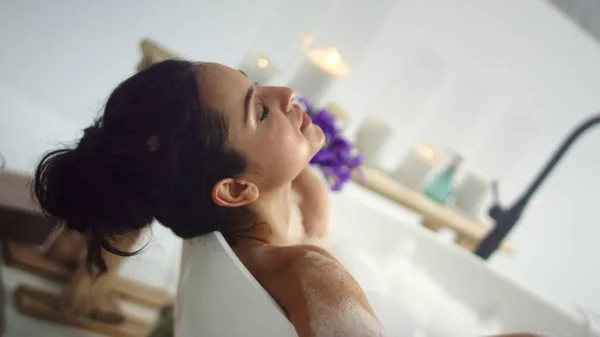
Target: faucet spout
x,y
506,219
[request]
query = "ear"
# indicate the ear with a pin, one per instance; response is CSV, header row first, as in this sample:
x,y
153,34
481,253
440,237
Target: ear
x,y
234,193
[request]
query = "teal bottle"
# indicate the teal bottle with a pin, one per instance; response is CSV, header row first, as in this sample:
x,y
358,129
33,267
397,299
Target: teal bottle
x,y
442,186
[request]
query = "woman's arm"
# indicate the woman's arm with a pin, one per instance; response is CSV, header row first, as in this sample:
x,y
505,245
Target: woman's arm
x,y
313,203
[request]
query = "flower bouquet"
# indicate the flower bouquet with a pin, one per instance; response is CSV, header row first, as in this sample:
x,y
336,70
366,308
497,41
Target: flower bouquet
x,y
338,159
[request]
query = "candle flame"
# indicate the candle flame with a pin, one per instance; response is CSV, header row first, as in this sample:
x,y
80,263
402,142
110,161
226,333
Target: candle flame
x,y
330,60
263,63
333,56
426,152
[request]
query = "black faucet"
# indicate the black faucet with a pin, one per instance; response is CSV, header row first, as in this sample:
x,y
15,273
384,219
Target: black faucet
x,y
506,219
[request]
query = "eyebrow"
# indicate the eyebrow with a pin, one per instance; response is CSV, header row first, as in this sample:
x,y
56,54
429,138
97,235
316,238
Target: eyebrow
x,y
247,100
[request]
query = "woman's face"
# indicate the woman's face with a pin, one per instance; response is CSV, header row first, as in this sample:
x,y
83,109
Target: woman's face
x,y
265,125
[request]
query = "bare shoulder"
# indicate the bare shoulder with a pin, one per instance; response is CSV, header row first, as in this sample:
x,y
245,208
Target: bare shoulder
x,y
312,266
305,248
301,250
300,265
307,279
273,261
289,257
310,282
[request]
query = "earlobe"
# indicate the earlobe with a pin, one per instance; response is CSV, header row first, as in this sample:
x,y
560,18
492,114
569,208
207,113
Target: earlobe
x,y
234,193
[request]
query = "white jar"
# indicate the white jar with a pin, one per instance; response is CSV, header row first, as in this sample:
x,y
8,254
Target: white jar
x,y
416,167
371,137
471,192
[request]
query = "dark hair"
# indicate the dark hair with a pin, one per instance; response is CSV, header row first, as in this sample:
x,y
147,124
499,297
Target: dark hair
x,y
155,153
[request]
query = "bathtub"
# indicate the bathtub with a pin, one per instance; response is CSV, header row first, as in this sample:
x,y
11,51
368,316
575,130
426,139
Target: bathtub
x,y
365,222
374,225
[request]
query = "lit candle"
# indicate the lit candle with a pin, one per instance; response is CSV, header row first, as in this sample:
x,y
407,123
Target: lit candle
x,y
318,72
259,68
416,166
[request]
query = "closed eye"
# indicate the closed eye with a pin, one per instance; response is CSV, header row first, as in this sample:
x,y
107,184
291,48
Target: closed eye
x,y
265,113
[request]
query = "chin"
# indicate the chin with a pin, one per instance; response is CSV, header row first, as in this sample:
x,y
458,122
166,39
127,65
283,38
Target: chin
x,y
318,137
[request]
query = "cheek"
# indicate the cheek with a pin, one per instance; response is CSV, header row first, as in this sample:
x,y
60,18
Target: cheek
x,y
284,139
284,155
290,150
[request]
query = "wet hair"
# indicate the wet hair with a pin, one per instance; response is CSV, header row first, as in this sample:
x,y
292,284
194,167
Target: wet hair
x,y
155,153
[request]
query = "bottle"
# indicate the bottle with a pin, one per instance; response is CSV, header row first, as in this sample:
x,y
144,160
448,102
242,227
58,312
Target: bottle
x,y
442,186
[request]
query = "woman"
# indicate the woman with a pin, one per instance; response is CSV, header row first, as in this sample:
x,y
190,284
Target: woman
x,y
200,148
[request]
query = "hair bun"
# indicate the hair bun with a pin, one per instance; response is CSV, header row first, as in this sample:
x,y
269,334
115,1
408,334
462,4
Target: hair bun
x,y
93,141
77,187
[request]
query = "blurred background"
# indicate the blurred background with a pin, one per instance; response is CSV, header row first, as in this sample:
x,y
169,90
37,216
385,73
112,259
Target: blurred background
x,y
500,82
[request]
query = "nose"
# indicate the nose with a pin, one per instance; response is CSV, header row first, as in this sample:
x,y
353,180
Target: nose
x,y
284,97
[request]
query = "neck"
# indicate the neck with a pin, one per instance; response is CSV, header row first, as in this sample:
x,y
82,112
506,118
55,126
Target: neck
x,y
272,211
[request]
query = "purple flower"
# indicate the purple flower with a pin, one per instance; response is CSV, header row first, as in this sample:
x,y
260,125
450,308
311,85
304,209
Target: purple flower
x,y
338,159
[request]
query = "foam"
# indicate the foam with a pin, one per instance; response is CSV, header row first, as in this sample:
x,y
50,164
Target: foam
x,y
407,300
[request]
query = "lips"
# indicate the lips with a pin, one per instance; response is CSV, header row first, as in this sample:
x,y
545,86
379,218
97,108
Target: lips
x,y
306,120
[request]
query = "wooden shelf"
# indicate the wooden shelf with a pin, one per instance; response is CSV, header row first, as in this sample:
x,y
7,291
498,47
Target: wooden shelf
x,y
470,232
15,192
45,305
26,258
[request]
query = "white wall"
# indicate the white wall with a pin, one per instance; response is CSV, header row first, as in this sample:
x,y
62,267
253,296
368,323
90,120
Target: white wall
x,y
29,128
500,81
511,66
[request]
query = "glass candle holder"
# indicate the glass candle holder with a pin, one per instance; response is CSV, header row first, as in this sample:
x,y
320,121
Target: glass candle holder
x,y
259,68
416,167
319,71
278,44
336,44
351,27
